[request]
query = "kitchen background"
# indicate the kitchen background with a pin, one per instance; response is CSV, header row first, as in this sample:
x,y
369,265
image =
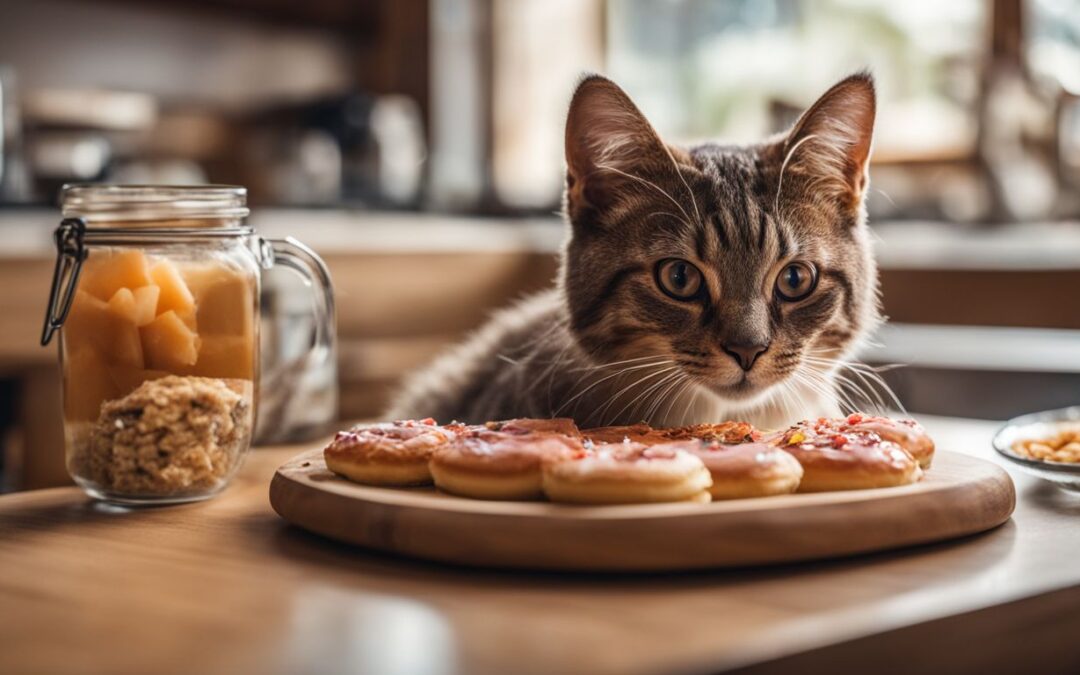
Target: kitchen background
x,y
417,145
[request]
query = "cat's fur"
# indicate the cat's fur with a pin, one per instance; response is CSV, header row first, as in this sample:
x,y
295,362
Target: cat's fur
x,y
606,346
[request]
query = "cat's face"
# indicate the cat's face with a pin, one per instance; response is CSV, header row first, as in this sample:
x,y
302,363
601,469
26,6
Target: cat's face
x,y
744,267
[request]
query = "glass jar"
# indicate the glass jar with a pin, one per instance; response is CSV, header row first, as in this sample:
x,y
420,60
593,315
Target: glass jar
x,y
156,297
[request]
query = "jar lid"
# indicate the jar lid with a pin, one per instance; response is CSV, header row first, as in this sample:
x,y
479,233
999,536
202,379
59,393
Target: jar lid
x,y
100,204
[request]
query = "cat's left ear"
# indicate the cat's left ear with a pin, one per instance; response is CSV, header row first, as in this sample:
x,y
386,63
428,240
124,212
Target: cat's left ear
x,y
830,144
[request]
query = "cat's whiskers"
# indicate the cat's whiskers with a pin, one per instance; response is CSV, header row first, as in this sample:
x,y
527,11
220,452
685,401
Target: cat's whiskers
x,y
789,398
533,344
647,397
692,385
885,195
604,379
649,183
678,171
822,357
612,363
811,386
668,395
812,381
684,384
589,368
622,371
755,408
552,369
798,403
828,370
662,395
664,374
825,380
869,377
829,388
775,398
783,167
540,343
694,400
869,393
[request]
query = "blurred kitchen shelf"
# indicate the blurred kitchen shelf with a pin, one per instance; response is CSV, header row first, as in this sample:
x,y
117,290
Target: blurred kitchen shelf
x,y
1039,246
899,244
396,232
28,232
1033,350
980,372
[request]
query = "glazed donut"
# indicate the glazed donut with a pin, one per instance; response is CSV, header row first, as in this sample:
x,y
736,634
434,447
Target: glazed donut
x,y
632,433
729,433
386,454
725,432
498,464
836,458
747,469
525,425
627,473
908,434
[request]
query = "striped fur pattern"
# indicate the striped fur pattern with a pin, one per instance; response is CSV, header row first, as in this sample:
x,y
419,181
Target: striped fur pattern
x,y
607,346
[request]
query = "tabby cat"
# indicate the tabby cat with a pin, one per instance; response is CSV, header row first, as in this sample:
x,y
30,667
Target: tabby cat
x,y
696,284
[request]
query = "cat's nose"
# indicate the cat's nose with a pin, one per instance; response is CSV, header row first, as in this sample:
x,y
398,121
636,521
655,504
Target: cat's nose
x,y
744,354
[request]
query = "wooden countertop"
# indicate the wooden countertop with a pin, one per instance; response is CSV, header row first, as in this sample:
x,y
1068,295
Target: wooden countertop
x,y
226,586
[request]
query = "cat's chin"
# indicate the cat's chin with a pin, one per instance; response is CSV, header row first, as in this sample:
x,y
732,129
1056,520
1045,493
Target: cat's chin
x,y
762,405
744,391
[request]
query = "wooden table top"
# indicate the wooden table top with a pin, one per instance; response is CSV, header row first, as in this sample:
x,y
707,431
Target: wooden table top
x,y
226,586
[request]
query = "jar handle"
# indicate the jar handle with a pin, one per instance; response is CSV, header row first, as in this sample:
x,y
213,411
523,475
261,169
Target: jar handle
x,y
70,254
293,254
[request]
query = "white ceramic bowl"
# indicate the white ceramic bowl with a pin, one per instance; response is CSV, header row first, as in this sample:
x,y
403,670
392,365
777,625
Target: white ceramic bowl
x,y
1040,425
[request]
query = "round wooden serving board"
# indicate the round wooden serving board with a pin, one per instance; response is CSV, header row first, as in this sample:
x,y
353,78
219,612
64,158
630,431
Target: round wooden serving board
x,y
960,495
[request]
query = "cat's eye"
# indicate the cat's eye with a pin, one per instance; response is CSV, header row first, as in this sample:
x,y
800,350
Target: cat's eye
x,y
796,281
678,278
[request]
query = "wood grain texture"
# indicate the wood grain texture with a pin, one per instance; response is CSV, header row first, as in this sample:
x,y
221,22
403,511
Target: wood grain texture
x,y
227,586
960,495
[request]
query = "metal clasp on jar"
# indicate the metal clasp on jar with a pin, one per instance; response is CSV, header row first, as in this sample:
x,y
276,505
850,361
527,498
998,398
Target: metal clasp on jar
x,y
70,254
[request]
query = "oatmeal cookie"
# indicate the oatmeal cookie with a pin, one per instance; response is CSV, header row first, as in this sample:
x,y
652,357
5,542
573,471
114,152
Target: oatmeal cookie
x,y
171,435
